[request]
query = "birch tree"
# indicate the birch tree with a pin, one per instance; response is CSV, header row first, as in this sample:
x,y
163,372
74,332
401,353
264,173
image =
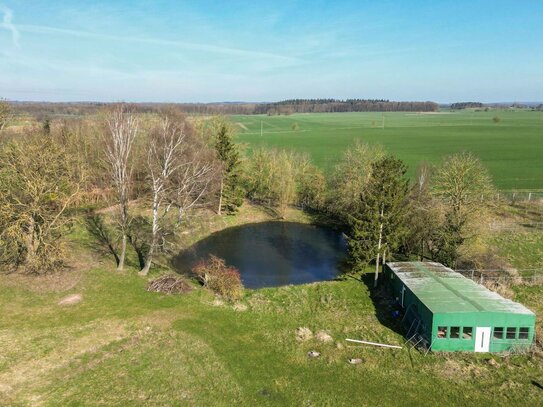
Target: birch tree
x,y
122,126
179,172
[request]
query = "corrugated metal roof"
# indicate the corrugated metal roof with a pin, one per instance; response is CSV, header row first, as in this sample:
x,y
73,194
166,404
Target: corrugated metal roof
x,y
443,290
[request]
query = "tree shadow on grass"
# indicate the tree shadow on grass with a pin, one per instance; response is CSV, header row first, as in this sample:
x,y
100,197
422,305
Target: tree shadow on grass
x,y
387,309
104,240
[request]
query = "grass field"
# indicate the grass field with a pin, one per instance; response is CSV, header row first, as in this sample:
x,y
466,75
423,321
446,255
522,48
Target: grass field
x,y
124,346
512,149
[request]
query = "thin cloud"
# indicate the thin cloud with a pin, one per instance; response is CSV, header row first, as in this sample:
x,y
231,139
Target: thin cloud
x,y
41,29
7,23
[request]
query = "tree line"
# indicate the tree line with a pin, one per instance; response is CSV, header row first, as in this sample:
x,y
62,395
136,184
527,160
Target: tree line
x,y
466,105
349,105
42,110
149,173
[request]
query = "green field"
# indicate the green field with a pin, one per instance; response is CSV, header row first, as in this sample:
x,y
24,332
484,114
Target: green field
x,y
512,149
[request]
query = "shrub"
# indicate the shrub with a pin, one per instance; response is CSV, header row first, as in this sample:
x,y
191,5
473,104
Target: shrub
x,y
496,119
214,274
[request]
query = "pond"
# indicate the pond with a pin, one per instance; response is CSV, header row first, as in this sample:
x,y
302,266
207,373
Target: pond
x,y
272,254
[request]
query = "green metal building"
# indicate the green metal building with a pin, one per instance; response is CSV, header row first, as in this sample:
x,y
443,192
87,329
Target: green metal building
x,y
445,311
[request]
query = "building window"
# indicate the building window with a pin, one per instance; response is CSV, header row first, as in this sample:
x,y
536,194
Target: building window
x,y
455,332
523,333
441,331
467,332
498,333
511,333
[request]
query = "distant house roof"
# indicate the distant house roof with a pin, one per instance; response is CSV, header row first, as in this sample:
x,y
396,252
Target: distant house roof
x,y
443,290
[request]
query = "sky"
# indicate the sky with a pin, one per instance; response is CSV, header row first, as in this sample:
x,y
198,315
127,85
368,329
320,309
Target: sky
x,y
212,51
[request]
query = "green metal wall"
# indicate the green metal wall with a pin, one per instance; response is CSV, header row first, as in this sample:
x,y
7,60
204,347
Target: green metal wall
x,y
432,321
411,300
482,319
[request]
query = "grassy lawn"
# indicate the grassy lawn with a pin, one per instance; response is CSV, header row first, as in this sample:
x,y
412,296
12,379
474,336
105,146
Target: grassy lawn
x,y
122,345
511,149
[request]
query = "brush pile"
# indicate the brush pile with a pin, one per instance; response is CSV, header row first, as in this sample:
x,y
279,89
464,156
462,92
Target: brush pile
x,y
169,284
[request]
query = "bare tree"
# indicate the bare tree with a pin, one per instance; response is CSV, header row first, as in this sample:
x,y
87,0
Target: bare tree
x,y
5,114
122,124
179,173
352,175
39,181
464,186
463,183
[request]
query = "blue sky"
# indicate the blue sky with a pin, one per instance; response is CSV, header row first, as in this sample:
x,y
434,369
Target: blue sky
x,y
206,51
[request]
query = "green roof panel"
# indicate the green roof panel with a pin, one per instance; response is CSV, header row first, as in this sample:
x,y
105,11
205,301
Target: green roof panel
x,y
443,290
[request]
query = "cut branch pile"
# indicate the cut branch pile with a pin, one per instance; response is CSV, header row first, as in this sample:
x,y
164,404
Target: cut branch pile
x,y
169,284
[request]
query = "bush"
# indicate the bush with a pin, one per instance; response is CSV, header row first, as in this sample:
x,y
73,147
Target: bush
x,y
496,119
214,274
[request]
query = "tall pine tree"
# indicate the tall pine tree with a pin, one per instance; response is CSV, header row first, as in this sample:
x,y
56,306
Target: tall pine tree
x,y
231,192
378,225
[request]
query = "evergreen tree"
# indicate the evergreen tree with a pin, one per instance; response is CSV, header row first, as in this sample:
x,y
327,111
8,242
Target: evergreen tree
x,y
231,192
378,226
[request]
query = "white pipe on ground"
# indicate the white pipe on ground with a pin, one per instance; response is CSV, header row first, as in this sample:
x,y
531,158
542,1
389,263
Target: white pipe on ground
x,y
374,344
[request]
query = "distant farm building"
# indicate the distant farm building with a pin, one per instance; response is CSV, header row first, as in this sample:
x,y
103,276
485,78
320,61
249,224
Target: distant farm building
x,y
446,311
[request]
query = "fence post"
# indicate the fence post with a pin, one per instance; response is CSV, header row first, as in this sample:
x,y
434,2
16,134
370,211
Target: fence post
x,y
472,271
529,196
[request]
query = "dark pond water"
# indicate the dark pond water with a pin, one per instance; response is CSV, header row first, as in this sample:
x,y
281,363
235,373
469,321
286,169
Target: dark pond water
x,y
272,254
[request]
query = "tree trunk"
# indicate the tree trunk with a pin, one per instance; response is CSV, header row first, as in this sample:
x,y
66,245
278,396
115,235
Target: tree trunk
x,y
220,196
30,241
148,260
120,266
378,251
154,238
376,270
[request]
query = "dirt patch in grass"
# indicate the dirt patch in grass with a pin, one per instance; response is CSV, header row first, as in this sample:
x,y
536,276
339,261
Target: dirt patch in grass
x,y
56,282
30,369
